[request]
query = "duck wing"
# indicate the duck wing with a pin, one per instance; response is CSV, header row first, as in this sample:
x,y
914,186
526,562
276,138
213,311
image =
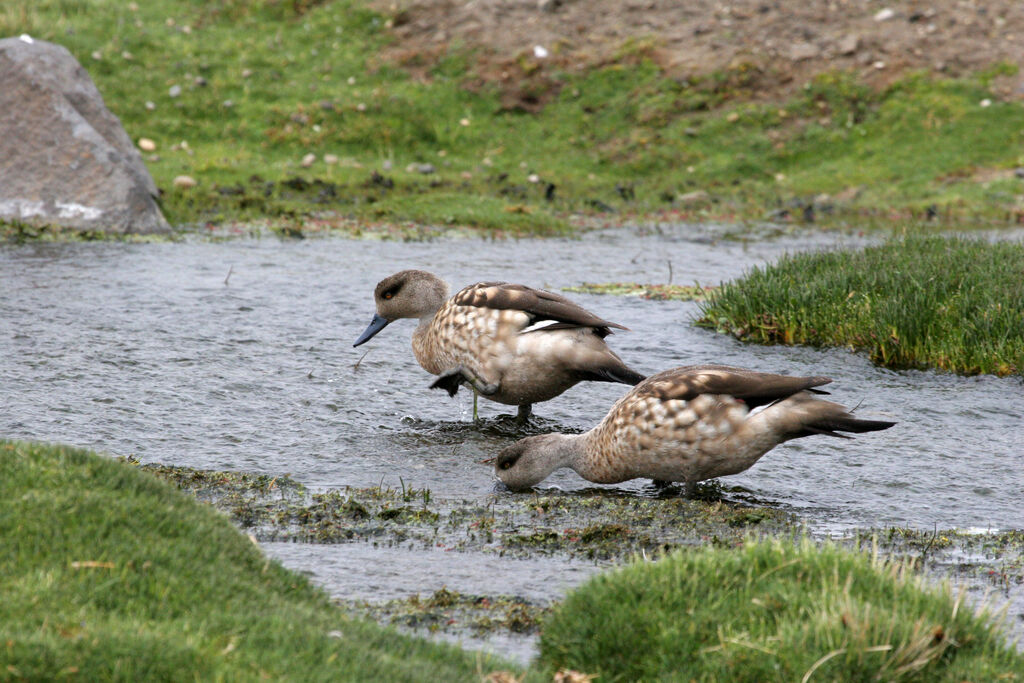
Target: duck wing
x,y
541,305
754,388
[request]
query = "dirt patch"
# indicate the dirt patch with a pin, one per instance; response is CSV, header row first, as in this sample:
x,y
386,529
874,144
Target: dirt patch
x,y
778,46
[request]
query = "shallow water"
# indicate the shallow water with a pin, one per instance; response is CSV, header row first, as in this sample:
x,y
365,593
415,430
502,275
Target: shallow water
x,y
238,355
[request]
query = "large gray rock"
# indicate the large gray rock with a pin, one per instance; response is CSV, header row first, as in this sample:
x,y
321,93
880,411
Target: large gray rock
x,y
64,158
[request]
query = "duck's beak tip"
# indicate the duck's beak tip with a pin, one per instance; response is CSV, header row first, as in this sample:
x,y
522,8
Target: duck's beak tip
x,y
378,323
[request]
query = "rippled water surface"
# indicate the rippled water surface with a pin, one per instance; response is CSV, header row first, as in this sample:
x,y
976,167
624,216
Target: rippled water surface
x,y
238,355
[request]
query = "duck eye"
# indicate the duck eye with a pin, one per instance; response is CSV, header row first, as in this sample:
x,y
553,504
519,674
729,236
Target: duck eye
x,y
506,465
388,295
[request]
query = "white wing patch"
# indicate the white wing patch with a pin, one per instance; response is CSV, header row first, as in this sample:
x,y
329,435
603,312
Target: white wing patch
x,y
539,325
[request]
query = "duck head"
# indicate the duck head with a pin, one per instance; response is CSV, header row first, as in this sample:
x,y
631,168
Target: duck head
x,y
529,461
406,294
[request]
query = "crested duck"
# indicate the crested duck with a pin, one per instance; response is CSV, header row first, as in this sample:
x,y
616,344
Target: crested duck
x,y
687,424
511,343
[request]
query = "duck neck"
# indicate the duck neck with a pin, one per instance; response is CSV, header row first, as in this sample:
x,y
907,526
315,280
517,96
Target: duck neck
x,y
425,345
571,451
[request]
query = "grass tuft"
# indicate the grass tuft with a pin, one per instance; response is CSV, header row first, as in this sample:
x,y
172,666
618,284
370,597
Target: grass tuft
x,y
918,302
109,574
772,611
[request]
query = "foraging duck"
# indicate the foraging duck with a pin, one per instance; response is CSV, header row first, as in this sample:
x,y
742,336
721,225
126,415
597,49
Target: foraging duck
x,y
687,424
511,343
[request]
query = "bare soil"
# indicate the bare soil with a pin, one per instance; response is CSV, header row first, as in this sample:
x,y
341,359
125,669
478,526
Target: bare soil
x,y
781,44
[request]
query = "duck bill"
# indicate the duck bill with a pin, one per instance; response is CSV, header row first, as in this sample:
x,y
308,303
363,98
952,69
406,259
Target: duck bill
x,y
378,323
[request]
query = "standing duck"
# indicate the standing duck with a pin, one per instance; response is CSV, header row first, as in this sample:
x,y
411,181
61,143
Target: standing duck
x,y
511,343
686,424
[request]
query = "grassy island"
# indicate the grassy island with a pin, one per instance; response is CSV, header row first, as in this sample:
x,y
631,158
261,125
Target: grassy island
x,y
919,302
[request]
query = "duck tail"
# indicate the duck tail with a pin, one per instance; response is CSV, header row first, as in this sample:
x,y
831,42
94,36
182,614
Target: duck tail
x,y
803,415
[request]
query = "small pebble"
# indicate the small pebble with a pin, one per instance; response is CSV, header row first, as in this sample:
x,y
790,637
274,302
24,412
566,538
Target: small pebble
x,y
150,106
330,159
246,73
185,182
308,160
146,145
174,91
986,102
885,14
533,178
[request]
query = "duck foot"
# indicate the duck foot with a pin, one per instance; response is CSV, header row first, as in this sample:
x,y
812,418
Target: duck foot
x,y
450,379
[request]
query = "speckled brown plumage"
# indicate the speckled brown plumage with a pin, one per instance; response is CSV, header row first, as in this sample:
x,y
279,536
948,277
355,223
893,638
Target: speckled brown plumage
x,y
514,344
686,424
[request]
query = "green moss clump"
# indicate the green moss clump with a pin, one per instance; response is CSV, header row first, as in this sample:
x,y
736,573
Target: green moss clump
x,y
108,574
655,292
772,611
918,302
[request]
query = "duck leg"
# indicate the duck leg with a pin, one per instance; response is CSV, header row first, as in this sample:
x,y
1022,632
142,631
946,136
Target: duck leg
x,y
524,412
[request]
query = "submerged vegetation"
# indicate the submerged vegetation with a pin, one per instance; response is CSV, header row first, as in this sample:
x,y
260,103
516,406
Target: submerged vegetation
x,y
287,111
772,611
918,302
666,292
594,524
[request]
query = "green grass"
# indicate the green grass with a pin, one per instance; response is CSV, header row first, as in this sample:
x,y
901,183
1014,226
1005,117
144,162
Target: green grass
x,y
265,82
772,611
919,302
109,574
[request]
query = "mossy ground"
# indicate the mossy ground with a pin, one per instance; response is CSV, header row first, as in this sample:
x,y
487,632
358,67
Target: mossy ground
x,y
284,111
